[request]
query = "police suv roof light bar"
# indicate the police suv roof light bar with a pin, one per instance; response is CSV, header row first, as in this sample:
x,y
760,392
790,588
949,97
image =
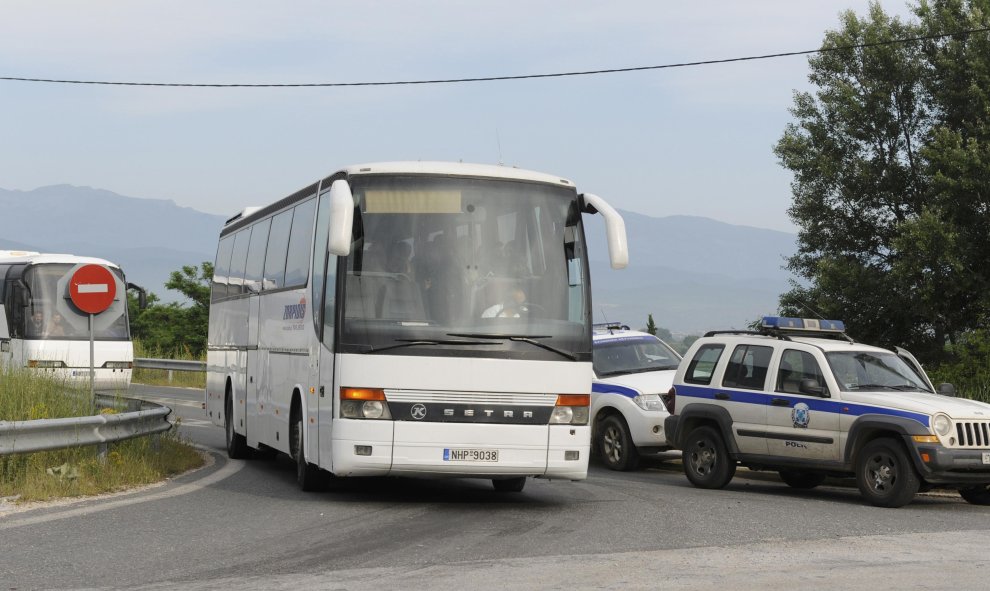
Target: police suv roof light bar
x,y
781,325
609,326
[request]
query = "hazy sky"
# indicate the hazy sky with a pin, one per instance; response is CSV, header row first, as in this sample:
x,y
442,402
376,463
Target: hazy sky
x,y
694,141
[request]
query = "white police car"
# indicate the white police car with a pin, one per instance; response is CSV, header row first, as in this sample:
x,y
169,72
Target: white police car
x,y
788,398
633,373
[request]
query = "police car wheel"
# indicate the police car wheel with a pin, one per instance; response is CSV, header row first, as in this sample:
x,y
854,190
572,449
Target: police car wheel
x,y
615,444
976,495
510,484
884,474
706,461
802,480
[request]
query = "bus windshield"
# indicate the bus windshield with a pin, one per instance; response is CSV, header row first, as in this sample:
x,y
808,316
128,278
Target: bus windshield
x,y
466,267
49,315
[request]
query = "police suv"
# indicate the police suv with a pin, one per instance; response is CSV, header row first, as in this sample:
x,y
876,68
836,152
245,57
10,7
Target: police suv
x,y
791,399
633,374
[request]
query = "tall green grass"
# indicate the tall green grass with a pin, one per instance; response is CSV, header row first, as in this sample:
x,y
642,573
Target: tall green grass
x,y
79,471
160,377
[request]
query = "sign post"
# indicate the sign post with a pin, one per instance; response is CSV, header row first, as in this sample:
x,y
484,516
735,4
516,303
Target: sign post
x,y
92,289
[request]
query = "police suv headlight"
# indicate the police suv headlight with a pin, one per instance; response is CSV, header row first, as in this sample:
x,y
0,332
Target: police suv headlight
x,y
942,425
649,402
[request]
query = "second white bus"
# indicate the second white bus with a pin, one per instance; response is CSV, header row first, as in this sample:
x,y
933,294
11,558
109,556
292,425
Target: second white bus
x,y
410,318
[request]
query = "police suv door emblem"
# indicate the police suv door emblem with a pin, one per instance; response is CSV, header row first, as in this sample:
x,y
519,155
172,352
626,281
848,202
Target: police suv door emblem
x,y
418,411
801,415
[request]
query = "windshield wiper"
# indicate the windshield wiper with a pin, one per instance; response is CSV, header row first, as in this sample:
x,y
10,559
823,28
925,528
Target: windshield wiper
x,y
647,369
416,342
876,387
519,338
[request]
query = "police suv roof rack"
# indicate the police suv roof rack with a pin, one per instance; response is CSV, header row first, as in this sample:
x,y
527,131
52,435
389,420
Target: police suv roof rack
x,y
783,328
609,326
712,333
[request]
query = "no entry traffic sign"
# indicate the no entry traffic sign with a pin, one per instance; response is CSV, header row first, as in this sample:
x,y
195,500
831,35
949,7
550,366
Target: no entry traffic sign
x,y
92,288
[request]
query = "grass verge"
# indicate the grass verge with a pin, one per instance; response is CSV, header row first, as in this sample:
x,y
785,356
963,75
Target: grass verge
x,y
79,471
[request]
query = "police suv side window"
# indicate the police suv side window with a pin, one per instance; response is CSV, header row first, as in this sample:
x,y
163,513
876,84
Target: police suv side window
x,y
748,367
702,366
796,366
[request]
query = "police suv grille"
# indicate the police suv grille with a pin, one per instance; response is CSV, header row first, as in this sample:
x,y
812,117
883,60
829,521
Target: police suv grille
x,y
972,434
499,398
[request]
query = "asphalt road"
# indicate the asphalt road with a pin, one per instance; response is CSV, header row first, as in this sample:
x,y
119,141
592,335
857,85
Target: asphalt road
x,y
245,525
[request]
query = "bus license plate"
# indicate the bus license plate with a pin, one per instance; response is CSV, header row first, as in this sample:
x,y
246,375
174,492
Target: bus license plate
x,y
470,455
986,458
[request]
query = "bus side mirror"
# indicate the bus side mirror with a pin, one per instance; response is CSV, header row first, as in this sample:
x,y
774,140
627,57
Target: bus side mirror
x,y
142,295
615,229
341,218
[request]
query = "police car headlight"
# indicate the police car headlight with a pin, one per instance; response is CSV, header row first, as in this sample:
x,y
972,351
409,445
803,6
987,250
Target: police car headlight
x,y
649,402
942,425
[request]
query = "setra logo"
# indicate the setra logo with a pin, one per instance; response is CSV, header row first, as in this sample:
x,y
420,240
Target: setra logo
x,y
295,311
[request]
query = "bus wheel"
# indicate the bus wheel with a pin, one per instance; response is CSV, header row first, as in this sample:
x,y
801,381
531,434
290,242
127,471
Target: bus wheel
x,y
236,443
308,476
509,484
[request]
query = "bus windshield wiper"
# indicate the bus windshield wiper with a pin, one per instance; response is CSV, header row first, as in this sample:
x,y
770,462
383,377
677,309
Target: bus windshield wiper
x,y
415,342
519,338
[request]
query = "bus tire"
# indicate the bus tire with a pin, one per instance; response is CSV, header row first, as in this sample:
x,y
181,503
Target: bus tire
x,y
509,484
309,477
237,448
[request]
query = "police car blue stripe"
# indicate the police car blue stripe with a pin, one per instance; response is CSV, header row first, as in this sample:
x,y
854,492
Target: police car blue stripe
x,y
817,404
600,388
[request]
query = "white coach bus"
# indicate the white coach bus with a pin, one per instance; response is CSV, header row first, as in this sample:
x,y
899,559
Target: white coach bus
x,y
410,318
42,330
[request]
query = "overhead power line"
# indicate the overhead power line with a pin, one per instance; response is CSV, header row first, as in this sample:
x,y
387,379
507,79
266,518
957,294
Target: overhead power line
x,y
963,32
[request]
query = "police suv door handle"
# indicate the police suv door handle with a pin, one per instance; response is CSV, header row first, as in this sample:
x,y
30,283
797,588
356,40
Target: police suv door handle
x,y
721,396
780,402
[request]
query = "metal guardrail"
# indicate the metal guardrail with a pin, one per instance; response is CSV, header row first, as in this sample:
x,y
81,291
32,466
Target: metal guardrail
x,y
143,418
169,364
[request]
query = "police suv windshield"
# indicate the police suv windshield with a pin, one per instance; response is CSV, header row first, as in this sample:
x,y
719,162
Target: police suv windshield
x,y
634,354
873,370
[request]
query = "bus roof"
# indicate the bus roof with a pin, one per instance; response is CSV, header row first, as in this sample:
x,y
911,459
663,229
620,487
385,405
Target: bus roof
x,y
402,167
30,257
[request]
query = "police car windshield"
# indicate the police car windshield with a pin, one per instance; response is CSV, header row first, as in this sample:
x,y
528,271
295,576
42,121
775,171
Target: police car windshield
x,y
637,354
872,370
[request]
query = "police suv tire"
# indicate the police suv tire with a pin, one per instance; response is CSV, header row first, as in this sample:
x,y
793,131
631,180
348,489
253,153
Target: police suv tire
x,y
309,477
509,484
706,460
237,448
802,480
976,495
884,474
615,444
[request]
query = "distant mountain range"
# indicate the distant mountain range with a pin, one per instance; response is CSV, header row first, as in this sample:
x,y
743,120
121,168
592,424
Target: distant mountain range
x,y
693,274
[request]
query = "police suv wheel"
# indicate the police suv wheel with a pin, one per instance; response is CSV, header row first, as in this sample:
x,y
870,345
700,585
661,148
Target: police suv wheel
x,y
615,444
802,480
706,461
885,475
977,495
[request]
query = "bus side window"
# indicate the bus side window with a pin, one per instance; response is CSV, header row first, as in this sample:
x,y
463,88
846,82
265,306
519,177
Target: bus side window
x,y
256,256
297,263
15,303
222,268
278,246
238,261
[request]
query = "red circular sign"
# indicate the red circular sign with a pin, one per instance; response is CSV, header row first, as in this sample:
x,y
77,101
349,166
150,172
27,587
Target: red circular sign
x,y
92,288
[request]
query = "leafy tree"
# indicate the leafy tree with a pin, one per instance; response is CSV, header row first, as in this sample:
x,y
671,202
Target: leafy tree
x,y
890,167
176,328
651,327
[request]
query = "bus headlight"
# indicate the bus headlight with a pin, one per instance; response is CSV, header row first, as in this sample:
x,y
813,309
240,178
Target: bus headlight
x,y
363,403
571,409
118,365
46,364
942,425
